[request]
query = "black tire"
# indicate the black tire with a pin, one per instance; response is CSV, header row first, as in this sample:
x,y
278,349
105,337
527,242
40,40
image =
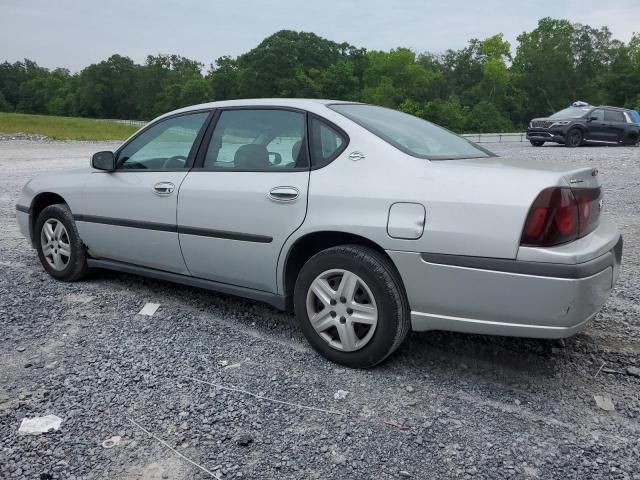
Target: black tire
x,y
630,139
76,266
537,143
574,138
385,284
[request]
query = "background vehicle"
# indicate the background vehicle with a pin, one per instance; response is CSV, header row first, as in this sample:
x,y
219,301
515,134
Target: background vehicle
x,y
365,220
581,123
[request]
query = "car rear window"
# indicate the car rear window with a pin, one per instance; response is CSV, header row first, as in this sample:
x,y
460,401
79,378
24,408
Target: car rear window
x,y
613,116
410,134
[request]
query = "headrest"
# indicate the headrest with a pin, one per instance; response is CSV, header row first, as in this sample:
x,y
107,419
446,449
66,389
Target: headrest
x,y
251,156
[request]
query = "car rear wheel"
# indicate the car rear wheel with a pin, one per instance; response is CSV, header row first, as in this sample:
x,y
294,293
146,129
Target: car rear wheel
x,y
351,305
630,139
60,249
537,143
574,138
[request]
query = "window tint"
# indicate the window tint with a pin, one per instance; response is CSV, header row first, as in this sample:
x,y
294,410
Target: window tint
x,y
258,140
597,115
326,142
163,146
613,116
410,134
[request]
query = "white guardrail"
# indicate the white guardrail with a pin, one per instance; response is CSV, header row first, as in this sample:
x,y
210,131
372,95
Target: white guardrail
x,y
137,123
474,137
496,137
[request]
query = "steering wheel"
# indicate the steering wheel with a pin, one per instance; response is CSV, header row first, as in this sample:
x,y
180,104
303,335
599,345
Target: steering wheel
x,y
175,158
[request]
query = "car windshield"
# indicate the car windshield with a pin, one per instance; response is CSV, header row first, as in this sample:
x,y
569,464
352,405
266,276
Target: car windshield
x,y
572,112
410,134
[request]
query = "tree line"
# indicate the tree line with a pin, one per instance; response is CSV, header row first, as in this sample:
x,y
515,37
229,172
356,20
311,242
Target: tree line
x,y
480,88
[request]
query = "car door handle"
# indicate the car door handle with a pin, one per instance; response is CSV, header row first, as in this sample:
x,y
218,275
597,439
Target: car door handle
x,y
164,188
284,194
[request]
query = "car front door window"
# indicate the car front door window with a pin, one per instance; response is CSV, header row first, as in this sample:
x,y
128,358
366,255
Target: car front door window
x,y
164,146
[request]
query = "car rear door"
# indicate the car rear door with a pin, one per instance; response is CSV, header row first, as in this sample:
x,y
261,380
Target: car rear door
x,y
129,215
615,125
245,196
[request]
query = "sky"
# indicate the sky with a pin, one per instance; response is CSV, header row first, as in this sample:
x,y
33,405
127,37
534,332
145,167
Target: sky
x,y
75,33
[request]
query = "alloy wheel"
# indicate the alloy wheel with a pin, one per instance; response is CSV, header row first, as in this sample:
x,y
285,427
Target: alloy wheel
x,y
342,309
575,138
56,247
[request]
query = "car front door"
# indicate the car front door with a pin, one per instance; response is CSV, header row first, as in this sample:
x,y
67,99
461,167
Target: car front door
x,y
129,215
245,196
596,129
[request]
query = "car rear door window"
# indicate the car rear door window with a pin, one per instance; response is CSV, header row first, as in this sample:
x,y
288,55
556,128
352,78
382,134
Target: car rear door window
x,y
258,140
163,146
326,142
613,116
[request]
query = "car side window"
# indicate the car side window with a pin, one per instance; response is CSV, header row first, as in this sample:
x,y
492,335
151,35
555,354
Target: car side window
x,y
597,115
613,116
326,142
258,140
164,146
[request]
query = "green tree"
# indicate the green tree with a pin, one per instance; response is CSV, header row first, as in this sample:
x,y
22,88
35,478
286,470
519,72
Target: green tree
x,y
285,61
4,105
107,89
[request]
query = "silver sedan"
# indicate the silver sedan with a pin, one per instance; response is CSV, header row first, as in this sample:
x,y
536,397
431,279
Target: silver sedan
x,y
367,222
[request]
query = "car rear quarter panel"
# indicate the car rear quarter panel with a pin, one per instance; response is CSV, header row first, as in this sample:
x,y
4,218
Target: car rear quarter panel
x,y
470,209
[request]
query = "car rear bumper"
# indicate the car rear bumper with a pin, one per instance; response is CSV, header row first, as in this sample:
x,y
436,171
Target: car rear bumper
x,y
506,297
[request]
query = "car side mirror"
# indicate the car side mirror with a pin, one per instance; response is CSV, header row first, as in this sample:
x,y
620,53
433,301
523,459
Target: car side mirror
x,y
591,119
104,161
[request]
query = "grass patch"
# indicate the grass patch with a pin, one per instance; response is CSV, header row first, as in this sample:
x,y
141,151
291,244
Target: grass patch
x,y
64,128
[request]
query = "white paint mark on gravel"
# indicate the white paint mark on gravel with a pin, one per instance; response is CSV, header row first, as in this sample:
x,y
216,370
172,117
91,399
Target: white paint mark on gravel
x,y
149,309
604,402
39,425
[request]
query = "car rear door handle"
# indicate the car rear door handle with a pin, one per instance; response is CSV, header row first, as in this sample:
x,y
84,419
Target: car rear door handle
x,y
163,188
284,194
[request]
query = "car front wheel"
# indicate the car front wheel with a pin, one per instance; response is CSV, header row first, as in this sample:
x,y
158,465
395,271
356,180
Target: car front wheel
x,y
60,249
574,138
351,305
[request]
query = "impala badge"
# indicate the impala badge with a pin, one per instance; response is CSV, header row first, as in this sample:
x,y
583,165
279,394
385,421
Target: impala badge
x,y
355,156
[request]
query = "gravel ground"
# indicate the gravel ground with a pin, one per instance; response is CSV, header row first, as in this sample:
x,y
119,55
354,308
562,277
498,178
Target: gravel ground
x,y
468,406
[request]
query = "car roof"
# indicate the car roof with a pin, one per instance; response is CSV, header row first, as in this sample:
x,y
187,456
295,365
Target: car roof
x,y
621,109
301,103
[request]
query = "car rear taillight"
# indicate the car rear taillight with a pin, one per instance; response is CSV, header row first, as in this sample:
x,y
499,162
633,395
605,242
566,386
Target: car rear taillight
x,y
560,215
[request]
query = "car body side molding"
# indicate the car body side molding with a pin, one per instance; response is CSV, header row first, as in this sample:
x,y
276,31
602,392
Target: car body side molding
x,y
165,227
